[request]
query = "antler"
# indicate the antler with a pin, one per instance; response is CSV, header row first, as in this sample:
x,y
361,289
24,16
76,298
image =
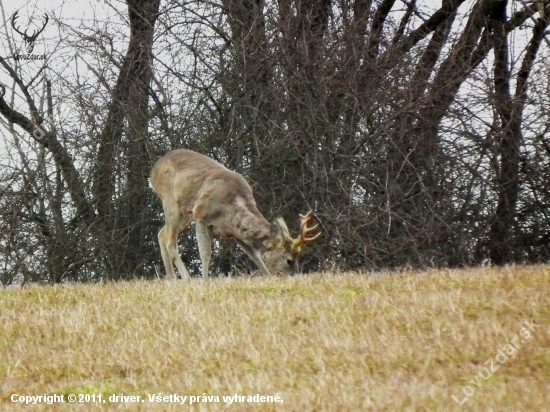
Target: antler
x,y
305,233
13,18
35,32
35,35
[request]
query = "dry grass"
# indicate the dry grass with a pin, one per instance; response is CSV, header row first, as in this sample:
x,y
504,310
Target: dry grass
x,y
333,342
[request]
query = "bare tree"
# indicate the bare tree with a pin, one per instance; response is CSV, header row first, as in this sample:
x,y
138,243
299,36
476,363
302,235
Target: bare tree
x,y
419,135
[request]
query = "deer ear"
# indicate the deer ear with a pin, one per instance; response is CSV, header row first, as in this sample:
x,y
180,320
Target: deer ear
x,y
280,231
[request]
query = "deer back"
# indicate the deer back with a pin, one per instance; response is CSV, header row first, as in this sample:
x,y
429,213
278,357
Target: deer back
x,y
198,188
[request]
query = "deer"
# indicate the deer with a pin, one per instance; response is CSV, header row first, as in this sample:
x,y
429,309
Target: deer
x,y
195,188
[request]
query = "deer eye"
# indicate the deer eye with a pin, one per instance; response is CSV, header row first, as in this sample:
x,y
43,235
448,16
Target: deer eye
x,y
290,262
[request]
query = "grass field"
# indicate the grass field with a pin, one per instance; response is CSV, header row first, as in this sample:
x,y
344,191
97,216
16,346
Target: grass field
x,y
329,342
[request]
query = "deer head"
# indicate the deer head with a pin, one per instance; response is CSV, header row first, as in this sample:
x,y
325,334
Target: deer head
x,y
29,40
193,187
282,256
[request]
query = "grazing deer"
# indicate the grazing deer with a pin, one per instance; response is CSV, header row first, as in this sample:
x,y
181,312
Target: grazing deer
x,y
193,187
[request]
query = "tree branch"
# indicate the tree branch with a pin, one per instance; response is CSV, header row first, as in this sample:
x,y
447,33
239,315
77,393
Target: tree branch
x,y
60,154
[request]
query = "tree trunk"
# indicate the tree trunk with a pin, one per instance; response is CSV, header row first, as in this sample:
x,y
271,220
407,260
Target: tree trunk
x,y
122,221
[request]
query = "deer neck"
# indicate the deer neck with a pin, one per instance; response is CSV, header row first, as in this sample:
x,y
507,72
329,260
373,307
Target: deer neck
x,y
252,229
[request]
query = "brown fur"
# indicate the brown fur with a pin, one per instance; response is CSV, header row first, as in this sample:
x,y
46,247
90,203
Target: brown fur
x,y
193,187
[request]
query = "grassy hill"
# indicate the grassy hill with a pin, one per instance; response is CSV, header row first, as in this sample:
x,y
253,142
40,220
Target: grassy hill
x,y
437,340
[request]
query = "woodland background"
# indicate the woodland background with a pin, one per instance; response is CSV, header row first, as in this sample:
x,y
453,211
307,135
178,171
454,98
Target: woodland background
x,y
417,131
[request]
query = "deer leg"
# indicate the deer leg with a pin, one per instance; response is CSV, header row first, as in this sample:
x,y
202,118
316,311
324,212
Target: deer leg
x,y
255,256
168,238
204,240
168,267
